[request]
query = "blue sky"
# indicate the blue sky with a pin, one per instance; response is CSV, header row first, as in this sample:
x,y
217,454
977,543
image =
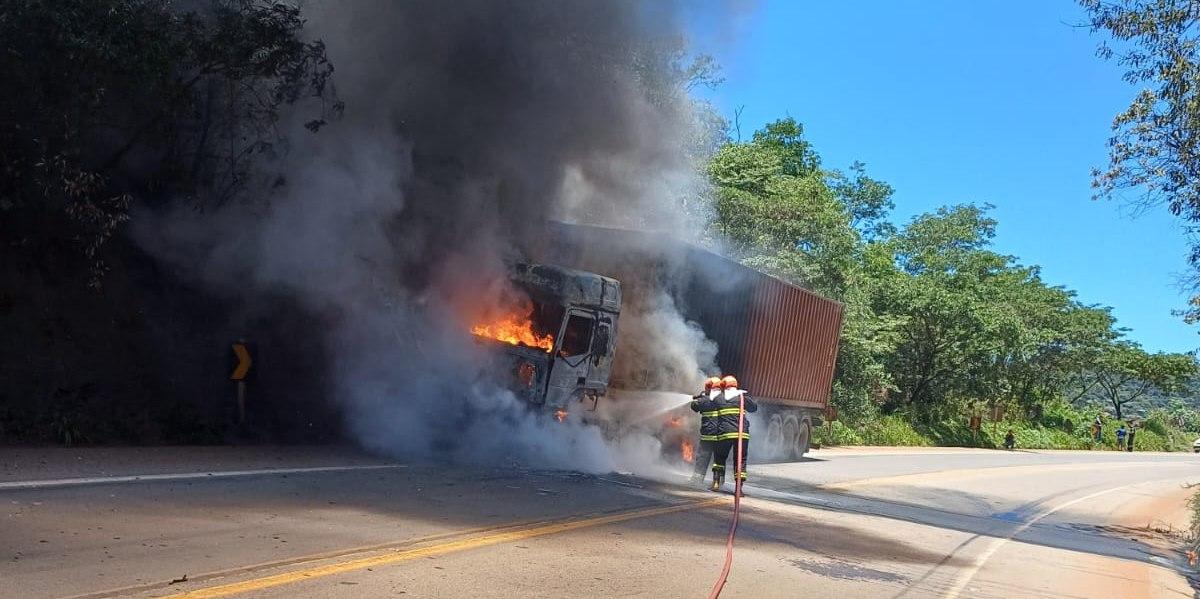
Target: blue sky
x,y
1000,102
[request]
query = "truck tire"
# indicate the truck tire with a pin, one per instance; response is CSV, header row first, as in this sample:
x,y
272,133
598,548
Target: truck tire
x,y
791,428
775,444
803,440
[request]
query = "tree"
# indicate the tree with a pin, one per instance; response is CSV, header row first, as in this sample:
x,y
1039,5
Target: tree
x,y
936,289
977,327
776,210
1126,373
869,201
1155,143
124,100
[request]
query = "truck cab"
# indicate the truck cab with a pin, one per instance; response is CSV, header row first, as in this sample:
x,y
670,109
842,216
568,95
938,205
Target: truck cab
x,y
573,322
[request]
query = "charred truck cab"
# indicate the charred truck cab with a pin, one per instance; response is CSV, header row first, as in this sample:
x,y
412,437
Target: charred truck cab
x,y
578,312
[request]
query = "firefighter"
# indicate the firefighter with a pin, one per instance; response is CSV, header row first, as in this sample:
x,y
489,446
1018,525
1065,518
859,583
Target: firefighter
x,y
725,411
704,452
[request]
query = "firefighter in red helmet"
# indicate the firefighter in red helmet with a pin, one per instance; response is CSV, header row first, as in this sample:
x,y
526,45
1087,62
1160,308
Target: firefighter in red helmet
x,y
704,453
719,413
725,409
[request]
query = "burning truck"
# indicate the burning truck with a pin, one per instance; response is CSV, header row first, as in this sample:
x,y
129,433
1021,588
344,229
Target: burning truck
x,y
561,346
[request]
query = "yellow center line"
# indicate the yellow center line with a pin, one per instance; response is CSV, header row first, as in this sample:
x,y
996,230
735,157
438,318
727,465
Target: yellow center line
x,y
266,582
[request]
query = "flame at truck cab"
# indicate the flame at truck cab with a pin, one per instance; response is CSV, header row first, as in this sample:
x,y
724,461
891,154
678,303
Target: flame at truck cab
x,y
516,328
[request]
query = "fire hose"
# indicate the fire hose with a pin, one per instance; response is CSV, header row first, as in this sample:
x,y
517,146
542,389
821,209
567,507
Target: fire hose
x,y
737,502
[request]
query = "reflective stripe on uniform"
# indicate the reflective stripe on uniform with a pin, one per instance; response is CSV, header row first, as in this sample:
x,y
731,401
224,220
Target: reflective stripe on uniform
x,y
718,467
729,436
721,412
724,437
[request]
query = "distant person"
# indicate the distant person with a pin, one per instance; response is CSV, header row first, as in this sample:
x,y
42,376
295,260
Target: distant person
x,y
1129,443
708,427
1097,429
1010,440
1121,432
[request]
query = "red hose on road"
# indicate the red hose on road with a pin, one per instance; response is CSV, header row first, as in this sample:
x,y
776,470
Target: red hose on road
x,y
737,503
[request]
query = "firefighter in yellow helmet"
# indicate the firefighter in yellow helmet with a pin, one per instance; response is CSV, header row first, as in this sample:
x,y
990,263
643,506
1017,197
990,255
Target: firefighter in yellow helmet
x,y
704,451
725,411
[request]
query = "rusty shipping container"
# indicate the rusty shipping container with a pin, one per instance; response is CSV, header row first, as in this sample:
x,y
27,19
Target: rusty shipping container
x,y
779,340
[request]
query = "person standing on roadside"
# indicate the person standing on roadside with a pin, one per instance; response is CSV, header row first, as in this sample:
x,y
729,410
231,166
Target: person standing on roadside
x,y
1121,436
1129,443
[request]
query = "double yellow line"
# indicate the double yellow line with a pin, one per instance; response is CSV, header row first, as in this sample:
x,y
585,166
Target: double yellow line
x,y
537,530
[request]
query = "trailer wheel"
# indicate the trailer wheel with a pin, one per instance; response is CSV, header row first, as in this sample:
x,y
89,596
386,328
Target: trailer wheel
x,y
791,428
803,438
776,443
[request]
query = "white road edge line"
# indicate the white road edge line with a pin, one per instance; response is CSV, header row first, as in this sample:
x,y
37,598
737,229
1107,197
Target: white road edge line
x,y
25,485
964,577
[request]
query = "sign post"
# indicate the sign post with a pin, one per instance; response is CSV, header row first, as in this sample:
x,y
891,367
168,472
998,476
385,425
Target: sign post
x,y
239,375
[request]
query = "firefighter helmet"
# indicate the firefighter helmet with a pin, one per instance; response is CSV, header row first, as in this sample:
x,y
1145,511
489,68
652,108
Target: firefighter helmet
x,y
712,382
729,382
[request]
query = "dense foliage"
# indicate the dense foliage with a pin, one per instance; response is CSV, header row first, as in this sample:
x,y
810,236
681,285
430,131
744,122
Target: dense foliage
x,y
112,101
939,324
1154,150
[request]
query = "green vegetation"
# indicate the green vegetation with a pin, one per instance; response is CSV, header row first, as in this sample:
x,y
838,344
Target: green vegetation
x,y
126,101
1194,530
940,326
893,430
1154,150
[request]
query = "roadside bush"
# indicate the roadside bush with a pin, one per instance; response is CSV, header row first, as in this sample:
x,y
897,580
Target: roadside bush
x,y
954,433
892,430
1060,415
1048,438
1073,431
836,433
1156,423
1148,440
1194,532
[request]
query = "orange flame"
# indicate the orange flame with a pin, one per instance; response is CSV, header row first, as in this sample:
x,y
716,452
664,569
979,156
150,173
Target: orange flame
x,y
688,451
675,422
560,415
514,329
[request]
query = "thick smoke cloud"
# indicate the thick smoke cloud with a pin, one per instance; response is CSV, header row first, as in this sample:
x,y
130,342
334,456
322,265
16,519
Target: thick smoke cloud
x,y
467,124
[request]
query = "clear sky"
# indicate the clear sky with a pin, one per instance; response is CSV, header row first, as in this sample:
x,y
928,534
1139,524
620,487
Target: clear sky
x,y
989,101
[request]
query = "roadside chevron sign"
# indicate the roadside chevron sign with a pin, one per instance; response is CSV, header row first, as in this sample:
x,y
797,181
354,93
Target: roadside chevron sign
x,y
244,362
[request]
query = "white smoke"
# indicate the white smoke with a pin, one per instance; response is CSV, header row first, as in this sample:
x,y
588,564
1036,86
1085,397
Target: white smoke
x,y
658,349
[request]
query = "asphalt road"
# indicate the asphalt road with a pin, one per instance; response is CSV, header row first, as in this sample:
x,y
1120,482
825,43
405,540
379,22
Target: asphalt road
x,y
321,522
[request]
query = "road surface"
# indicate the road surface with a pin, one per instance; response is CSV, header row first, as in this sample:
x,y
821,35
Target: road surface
x,y
322,522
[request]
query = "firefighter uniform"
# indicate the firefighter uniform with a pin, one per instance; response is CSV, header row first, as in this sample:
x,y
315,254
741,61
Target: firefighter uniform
x,y
719,426
705,449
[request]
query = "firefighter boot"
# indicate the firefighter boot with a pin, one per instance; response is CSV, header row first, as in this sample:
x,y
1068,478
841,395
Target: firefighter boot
x,y
718,480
